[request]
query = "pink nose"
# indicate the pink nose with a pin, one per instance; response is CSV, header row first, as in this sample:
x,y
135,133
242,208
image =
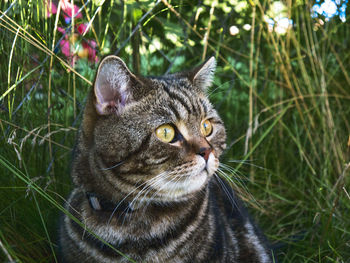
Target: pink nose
x,y
204,152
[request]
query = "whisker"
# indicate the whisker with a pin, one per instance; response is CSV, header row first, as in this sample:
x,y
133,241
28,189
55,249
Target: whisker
x,y
147,185
223,186
159,188
120,202
124,213
240,187
239,176
151,184
112,167
238,183
247,162
233,174
241,179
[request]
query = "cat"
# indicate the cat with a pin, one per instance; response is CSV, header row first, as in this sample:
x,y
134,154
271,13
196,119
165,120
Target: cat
x,y
144,175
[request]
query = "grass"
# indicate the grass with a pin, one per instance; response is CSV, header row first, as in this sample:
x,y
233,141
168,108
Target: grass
x,y
284,99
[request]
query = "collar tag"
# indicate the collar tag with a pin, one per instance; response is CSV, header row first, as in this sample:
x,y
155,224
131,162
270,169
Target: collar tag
x,y
98,203
95,203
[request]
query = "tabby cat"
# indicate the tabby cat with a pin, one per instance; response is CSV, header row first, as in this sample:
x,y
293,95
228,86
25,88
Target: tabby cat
x,y
144,174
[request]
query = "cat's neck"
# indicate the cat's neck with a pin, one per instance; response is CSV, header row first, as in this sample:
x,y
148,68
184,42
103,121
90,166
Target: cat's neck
x,y
98,202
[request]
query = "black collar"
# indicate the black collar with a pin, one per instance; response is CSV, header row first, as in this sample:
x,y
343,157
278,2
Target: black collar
x,y
99,203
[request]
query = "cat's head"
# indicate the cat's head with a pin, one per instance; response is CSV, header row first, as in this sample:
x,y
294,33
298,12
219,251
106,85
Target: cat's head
x,y
156,137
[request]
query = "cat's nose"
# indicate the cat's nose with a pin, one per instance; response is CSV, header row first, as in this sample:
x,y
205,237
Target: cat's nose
x,y
204,152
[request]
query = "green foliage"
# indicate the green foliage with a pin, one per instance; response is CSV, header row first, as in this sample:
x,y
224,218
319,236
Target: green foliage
x,y
282,92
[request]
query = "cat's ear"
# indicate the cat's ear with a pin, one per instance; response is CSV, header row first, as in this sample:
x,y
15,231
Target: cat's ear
x,y
202,76
113,86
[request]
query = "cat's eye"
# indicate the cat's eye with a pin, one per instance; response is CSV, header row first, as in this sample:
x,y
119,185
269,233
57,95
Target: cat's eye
x,y
206,128
165,133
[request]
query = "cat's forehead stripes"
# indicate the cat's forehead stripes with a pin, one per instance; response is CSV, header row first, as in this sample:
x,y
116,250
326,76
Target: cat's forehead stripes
x,y
184,100
181,100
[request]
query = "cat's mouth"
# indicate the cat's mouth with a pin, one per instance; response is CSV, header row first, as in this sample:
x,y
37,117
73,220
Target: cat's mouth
x,y
212,164
187,179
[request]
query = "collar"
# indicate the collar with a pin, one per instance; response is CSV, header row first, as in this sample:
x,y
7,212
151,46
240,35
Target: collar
x,y
99,203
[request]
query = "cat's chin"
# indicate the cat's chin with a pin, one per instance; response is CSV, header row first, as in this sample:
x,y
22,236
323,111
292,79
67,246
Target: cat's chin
x,y
181,187
184,187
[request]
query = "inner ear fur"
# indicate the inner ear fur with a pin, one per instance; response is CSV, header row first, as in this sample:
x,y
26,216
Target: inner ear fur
x,y
202,76
113,86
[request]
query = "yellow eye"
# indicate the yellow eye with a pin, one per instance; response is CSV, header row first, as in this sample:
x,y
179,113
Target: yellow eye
x,y
165,133
206,128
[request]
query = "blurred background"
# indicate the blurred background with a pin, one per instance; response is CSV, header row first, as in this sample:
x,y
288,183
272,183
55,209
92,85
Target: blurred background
x,y
282,87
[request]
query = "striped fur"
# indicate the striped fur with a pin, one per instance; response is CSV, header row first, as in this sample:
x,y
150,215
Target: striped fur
x,y
167,204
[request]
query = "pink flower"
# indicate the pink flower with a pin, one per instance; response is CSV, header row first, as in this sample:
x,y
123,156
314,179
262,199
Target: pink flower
x,y
68,9
71,46
65,44
86,50
90,46
65,47
81,28
51,9
61,29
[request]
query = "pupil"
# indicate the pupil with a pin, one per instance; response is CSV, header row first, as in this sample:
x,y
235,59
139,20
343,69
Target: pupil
x,y
165,133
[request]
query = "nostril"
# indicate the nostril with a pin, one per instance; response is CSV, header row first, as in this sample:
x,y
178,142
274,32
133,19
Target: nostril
x,y
204,152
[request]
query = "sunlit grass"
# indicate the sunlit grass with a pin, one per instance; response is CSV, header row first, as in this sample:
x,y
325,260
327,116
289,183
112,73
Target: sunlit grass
x,y
283,95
